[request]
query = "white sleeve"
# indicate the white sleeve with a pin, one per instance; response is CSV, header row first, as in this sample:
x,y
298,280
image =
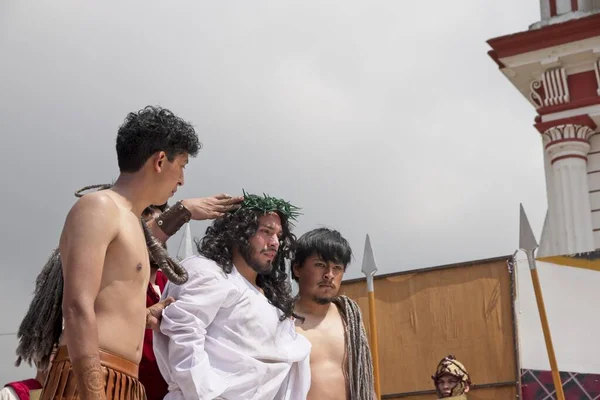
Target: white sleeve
x,y
8,393
298,381
184,322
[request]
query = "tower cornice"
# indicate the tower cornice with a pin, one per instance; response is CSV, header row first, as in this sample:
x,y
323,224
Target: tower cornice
x,y
548,36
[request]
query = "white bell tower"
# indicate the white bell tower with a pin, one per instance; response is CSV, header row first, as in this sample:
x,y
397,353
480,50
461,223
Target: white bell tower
x,y
556,66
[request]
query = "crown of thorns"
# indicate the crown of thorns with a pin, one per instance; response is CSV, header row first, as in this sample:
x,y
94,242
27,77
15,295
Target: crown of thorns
x,y
267,204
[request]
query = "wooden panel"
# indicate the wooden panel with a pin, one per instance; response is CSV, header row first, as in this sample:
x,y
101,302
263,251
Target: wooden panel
x,y
423,316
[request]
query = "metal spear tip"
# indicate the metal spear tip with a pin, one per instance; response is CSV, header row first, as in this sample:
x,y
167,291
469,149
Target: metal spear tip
x,y
527,240
369,266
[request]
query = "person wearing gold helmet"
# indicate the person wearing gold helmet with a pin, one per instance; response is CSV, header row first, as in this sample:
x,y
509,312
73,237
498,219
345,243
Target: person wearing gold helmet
x,y
451,379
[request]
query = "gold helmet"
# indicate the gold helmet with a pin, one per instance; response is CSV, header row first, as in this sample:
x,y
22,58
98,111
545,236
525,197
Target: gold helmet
x,y
449,365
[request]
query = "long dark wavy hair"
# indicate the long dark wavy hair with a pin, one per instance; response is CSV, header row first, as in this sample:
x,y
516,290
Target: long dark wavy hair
x,y
234,230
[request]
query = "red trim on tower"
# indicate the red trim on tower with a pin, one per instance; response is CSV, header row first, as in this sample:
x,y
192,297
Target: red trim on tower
x,y
568,156
568,106
552,143
552,8
582,86
578,120
574,5
548,36
494,57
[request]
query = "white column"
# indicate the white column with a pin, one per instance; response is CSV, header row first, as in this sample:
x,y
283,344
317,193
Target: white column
x,y
549,242
563,6
567,147
545,9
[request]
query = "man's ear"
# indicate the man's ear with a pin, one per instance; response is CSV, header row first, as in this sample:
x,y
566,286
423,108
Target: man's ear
x,y
295,268
467,388
158,160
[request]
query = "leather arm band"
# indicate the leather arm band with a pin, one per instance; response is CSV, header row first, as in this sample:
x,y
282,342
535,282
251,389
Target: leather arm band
x,y
173,219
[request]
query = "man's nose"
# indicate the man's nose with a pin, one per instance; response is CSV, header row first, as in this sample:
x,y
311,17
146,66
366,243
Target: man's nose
x,y
329,274
274,242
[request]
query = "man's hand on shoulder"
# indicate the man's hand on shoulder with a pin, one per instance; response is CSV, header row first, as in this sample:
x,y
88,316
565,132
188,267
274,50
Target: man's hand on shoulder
x,y
154,313
203,208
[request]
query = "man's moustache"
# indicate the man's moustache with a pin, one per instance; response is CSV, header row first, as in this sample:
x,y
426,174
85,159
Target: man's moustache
x,y
327,284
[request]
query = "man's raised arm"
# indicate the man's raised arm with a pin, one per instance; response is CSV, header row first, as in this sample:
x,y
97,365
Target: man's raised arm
x,y
90,227
198,209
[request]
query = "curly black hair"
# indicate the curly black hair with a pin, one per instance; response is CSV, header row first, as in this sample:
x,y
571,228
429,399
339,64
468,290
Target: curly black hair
x,y
234,230
150,130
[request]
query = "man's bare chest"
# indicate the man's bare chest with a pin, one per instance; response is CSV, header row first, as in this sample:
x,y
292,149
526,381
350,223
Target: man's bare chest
x,y
127,259
327,339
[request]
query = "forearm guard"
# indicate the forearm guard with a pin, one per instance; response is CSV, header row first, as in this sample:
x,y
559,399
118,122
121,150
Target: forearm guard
x,y
173,219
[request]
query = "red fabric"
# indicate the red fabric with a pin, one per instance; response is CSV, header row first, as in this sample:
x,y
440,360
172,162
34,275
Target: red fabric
x,y
22,388
149,375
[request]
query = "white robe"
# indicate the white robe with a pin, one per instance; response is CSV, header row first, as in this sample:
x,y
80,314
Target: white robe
x,y
8,393
222,339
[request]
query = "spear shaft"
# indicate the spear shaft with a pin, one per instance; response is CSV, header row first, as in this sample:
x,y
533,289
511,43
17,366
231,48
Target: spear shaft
x,y
369,268
528,244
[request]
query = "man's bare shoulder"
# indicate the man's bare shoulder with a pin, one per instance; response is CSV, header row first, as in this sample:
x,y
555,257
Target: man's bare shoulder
x,y
101,204
334,312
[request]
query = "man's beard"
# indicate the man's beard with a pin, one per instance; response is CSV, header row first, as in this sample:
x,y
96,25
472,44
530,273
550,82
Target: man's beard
x,y
322,300
254,263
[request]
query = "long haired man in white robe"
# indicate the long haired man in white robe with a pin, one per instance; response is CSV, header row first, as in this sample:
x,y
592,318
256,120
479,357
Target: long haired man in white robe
x,y
230,333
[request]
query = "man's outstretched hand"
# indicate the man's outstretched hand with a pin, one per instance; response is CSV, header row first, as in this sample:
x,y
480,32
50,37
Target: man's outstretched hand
x,y
203,208
154,313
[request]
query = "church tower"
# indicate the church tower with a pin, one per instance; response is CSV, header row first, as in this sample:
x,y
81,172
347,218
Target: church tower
x,y
555,64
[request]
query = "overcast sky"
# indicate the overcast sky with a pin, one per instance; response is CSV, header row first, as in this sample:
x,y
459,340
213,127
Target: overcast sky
x,y
385,118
